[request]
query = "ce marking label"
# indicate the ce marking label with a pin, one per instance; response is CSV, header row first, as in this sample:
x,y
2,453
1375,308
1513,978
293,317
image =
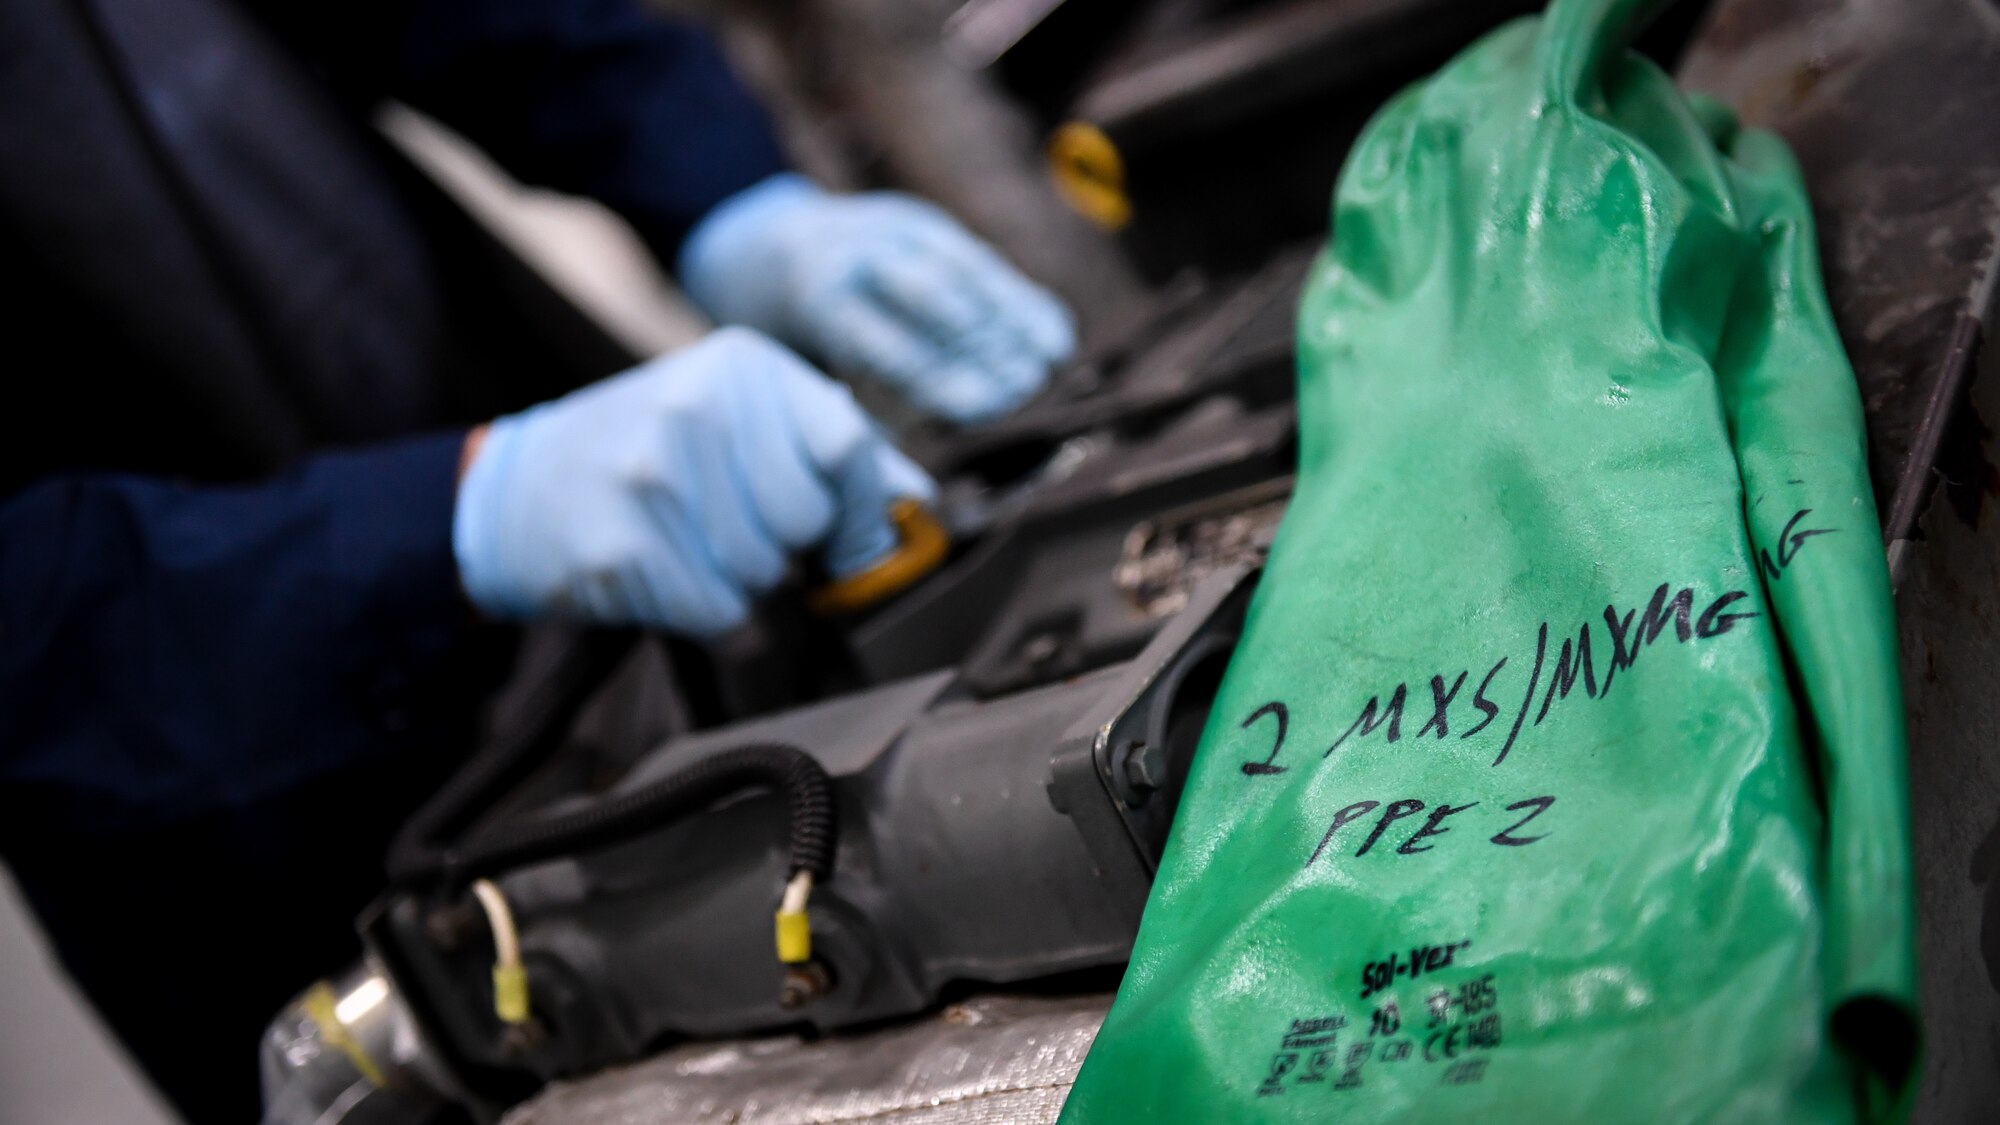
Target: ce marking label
x,y
1442,1045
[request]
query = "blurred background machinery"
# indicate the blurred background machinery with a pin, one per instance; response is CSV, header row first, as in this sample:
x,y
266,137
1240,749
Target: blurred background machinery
x,y
1001,746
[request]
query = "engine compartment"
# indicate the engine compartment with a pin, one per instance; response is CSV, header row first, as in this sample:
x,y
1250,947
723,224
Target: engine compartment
x,y
1003,742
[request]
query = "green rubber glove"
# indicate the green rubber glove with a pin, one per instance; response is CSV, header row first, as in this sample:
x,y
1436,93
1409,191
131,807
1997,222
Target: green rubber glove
x,y
1558,776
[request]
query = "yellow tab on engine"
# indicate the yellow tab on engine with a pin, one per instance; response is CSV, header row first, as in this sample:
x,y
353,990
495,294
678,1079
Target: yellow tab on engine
x,y
1089,174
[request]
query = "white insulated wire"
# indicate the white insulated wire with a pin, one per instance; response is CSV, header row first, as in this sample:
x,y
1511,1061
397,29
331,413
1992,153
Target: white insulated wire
x,y
797,890
500,919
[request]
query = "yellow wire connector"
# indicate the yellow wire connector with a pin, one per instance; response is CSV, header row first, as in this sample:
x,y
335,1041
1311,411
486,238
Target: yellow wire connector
x,y
510,977
795,942
322,1006
510,993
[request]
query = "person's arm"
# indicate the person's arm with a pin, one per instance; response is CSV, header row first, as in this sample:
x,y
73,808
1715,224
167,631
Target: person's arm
x,y
170,650
591,97
599,98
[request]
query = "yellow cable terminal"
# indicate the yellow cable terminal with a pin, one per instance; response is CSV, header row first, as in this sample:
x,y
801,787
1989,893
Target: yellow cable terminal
x,y
1089,174
510,993
795,939
795,942
321,1005
923,544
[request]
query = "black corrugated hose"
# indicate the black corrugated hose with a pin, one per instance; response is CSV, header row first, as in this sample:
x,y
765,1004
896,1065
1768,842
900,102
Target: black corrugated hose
x,y
790,771
547,713
419,856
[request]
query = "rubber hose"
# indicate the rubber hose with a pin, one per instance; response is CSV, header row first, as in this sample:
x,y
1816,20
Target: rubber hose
x,y
547,714
793,773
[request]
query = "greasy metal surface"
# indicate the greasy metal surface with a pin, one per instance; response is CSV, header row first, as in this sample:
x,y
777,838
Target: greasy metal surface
x,y
1893,107
1948,610
1164,558
988,1060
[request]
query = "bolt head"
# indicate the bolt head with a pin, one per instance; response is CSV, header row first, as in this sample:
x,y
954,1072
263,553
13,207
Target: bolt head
x,y
1145,767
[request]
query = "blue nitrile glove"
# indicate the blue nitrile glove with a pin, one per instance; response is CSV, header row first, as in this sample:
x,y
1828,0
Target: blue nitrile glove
x,y
668,495
881,283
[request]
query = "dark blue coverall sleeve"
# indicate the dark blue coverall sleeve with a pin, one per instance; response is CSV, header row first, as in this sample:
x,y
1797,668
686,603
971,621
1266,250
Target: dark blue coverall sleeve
x,y
216,703
169,651
173,651
592,97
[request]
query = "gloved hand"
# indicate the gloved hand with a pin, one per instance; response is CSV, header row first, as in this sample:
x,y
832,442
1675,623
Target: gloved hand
x,y
668,495
882,283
